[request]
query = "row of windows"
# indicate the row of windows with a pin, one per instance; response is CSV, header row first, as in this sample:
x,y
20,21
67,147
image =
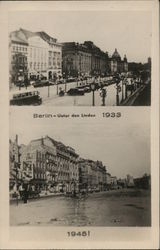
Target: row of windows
x,y
19,48
39,176
54,53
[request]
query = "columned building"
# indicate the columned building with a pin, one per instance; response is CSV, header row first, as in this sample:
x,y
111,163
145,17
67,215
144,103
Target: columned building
x,y
54,56
39,55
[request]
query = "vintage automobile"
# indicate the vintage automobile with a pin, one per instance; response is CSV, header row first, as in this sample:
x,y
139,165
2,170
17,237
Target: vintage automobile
x,y
42,83
71,79
85,88
75,91
26,98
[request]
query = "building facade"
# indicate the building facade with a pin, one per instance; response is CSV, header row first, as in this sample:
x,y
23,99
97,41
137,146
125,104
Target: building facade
x,y
38,162
18,51
76,59
117,65
83,59
99,59
40,55
50,163
15,173
92,174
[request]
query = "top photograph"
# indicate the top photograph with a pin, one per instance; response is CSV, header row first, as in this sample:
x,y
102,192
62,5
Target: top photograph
x,y
80,58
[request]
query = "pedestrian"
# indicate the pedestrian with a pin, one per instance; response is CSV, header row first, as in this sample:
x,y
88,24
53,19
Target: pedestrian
x,y
21,190
25,194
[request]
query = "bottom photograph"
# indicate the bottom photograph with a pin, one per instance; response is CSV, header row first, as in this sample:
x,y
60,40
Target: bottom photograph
x,y
80,172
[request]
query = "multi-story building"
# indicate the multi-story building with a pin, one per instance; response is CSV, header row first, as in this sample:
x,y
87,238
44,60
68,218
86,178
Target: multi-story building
x,y
76,59
83,59
37,57
54,56
18,51
15,173
92,174
99,59
117,65
38,162
113,181
108,179
42,55
50,162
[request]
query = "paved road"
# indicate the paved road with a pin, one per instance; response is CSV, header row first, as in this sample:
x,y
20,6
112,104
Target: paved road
x,y
110,208
86,100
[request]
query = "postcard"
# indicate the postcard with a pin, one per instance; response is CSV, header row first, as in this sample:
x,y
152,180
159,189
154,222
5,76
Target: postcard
x,y
79,129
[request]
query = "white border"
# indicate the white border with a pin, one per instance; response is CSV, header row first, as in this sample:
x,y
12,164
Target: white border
x,y
112,238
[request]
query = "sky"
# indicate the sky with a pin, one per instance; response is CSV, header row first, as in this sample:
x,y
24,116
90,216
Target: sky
x,y
128,31
122,144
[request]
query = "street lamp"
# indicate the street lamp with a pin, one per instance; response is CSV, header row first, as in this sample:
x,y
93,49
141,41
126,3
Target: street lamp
x,y
64,81
103,94
122,78
57,84
93,87
118,88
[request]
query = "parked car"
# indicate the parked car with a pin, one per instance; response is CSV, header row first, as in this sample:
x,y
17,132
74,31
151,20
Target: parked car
x,y
86,89
20,84
41,83
71,79
97,190
90,190
32,82
75,91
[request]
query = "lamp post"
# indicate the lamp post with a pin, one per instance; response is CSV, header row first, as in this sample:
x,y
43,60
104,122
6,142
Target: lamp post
x,y
57,85
93,87
122,78
103,94
125,83
117,81
48,90
64,81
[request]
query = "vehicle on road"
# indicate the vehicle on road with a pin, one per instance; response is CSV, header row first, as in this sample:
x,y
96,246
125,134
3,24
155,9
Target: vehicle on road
x,y
86,88
61,92
71,79
26,98
75,91
42,83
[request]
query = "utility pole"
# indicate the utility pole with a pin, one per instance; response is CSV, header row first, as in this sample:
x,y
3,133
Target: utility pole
x,y
48,90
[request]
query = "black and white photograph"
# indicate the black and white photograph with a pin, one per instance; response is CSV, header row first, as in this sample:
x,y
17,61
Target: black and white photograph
x,y
79,146
80,58
83,174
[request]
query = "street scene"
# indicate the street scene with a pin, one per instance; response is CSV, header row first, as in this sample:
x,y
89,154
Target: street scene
x,y
74,70
133,210
56,180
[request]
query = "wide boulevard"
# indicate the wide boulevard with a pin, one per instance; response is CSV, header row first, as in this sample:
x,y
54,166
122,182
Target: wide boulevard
x,y
124,207
50,97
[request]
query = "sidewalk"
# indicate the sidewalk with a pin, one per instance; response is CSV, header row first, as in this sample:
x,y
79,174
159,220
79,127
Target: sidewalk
x,y
14,200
